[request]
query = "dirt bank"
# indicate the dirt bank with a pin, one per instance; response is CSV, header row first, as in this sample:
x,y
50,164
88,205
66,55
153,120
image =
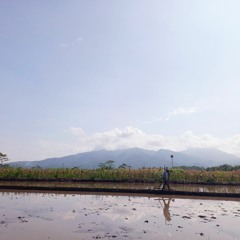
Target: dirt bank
x,y
119,190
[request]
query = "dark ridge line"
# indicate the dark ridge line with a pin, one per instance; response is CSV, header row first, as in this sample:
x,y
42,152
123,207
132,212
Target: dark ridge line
x,y
116,181
114,190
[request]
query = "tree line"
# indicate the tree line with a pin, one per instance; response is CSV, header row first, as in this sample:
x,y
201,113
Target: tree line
x,y
3,158
223,167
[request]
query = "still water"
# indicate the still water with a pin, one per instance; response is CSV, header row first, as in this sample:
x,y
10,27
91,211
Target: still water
x,y
73,216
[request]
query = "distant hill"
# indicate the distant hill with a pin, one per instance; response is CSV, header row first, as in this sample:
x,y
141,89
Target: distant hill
x,y
213,156
136,158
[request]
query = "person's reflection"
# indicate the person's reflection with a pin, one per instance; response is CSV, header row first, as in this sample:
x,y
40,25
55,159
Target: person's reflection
x,y
166,212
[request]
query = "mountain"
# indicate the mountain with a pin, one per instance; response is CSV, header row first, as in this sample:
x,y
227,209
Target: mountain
x,y
136,158
212,156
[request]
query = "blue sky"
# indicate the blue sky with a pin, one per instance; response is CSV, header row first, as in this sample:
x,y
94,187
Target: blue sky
x,y
84,75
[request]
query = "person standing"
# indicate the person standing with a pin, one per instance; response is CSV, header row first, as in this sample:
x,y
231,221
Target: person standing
x,y
165,177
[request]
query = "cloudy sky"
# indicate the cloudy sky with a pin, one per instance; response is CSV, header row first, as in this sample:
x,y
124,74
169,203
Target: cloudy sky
x,y
84,75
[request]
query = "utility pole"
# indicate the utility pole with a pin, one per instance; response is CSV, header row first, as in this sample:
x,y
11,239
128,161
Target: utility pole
x,y
172,160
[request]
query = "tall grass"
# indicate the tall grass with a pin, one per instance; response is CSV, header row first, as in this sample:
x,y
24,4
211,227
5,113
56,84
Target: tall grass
x,y
120,175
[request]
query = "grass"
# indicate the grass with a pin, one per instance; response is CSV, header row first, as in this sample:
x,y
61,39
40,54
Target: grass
x,y
177,175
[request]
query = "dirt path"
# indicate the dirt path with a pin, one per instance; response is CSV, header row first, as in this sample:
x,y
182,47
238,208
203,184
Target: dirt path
x,y
119,190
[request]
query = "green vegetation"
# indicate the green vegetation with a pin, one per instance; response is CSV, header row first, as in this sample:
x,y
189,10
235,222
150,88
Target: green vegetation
x,y
177,175
224,167
107,165
3,158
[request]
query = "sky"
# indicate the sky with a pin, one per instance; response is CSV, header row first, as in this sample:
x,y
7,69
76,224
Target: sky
x,y
86,75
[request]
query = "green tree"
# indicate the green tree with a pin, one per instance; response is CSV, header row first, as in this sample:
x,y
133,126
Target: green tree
x,y
124,166
3,158
107,165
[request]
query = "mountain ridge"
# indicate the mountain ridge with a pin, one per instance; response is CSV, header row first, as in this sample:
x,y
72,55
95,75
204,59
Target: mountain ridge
x,y
136,158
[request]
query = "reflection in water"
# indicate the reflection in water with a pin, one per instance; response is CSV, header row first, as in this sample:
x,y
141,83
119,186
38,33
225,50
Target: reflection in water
x,y
75,216
165,203
166,212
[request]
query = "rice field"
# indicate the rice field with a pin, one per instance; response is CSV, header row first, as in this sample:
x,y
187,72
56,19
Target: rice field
x,y
79,216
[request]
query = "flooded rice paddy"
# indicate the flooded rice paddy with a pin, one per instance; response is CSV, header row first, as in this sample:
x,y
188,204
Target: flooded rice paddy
x,y
74,216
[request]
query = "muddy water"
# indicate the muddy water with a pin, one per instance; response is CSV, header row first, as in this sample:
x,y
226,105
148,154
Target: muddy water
x,y
26,216
177,187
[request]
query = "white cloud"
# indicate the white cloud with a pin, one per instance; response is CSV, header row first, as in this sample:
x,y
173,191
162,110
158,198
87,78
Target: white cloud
x,y
176,112
76,140
76,131
134,137
183,111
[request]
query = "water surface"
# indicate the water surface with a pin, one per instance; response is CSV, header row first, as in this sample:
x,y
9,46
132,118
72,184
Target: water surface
x,y
62,216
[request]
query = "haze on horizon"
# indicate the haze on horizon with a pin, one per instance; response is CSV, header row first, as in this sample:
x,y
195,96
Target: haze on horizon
x,y
85,75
